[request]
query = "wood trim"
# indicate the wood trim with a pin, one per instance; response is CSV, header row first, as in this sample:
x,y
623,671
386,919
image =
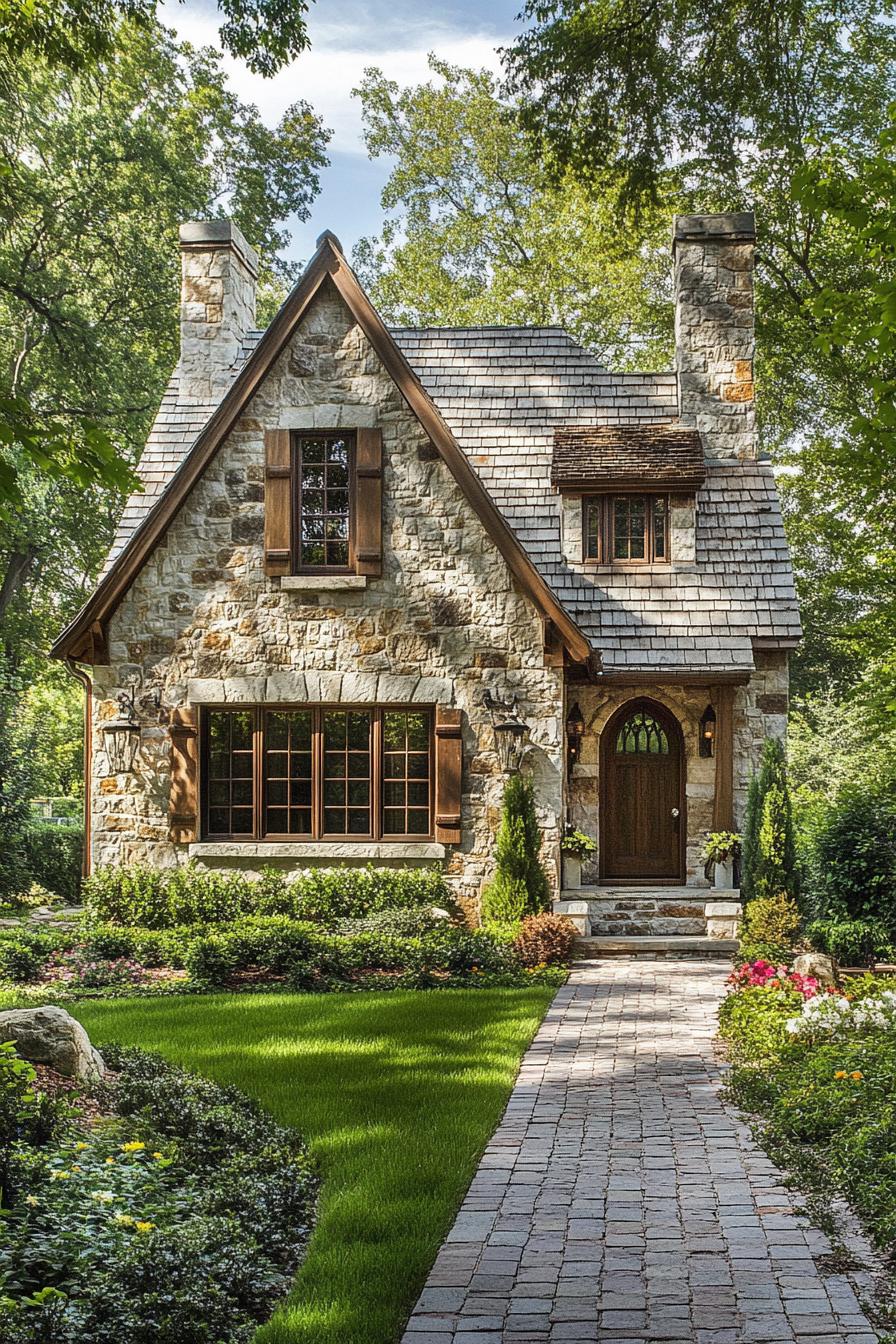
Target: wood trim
x,y
368,473
278,493
327,261
448,774
183,809
661,677
723,803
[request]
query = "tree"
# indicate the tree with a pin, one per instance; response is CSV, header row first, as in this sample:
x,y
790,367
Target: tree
x,y
97,170
265,33
478,233
769,857
520,886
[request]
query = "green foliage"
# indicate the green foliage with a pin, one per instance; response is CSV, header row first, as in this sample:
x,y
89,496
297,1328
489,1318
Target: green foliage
x,y
578,843
826,1104
520,885
477,233
97,170
52,716
53,857
853,942
162,898
181,1219
722,846
769,855
770,927
25,952
852,867
81,33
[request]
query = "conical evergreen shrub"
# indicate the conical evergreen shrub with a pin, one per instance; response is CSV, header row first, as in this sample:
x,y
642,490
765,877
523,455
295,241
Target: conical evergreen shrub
x,y
769,854
520,885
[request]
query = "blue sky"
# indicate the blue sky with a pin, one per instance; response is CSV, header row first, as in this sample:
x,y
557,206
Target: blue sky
x,y
395,35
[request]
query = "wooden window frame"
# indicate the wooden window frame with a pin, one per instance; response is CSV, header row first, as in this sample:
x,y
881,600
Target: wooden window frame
x,y
318,834
605,504
296,438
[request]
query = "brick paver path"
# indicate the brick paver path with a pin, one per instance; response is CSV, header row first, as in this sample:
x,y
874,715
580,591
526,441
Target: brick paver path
x,y
620,1200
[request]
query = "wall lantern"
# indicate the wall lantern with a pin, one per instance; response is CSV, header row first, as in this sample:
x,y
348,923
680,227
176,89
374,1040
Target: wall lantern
x,y
510,732
708,732
575,731
121,735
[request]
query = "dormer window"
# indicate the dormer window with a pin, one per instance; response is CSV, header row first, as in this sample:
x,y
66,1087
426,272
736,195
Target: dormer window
x,y
626,529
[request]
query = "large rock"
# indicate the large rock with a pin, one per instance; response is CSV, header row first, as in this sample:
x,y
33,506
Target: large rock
x,y
52,1036
816,964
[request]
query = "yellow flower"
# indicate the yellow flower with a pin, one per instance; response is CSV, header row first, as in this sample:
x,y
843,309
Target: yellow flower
x,y
841,1073
110,1161
80,1146
857,1076
103,1196
144,1227
159,1157
135,1146
124,1219
32,1200
60,1175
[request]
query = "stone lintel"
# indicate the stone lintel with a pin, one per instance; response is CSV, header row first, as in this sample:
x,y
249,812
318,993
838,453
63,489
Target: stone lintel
x,y
323,583
392,850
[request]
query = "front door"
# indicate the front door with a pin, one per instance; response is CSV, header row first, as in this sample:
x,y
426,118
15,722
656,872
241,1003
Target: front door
x,y
642,795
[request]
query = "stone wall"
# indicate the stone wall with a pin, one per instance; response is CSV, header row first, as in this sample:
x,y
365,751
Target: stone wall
x,y
760,711
714,330
202,621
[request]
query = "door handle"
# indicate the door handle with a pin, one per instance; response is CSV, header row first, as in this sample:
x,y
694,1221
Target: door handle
x,y
675,814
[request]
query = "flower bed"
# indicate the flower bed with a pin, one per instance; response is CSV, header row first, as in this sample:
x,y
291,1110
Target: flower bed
x,y
818,1067
165,1207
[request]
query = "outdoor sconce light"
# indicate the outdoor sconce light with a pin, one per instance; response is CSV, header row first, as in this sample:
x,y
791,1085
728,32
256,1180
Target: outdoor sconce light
x,y
121,734
510,732
575,731
708,732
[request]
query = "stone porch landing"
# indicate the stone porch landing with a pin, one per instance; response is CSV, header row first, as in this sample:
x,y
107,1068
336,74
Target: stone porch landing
x,y
620,1200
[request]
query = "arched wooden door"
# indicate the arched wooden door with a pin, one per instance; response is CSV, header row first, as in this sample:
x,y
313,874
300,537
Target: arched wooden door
x,y
642,803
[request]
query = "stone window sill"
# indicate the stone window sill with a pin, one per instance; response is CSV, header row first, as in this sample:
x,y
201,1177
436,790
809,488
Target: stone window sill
x,y
323,583
317,849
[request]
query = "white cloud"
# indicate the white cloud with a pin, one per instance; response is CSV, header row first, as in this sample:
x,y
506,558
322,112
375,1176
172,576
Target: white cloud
x,y
335,64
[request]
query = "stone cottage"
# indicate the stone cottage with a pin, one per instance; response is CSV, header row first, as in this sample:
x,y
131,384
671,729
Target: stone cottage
x,y
371,569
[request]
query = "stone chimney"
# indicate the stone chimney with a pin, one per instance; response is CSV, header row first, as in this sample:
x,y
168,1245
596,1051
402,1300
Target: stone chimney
x,y
217,305
714,330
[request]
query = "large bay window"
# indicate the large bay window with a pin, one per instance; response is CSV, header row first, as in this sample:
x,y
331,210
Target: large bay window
x,y
362,773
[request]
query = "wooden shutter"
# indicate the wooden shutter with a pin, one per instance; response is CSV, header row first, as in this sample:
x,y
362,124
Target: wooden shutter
x,y
183,812
277,501
369,502
449,772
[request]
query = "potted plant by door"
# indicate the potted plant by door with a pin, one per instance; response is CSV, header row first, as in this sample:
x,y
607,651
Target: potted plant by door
x,y
575,847
721,854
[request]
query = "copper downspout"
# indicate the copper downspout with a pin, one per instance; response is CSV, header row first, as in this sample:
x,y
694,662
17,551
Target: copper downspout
x,y
80,675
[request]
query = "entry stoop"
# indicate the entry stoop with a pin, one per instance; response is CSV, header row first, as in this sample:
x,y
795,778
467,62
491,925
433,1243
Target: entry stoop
x,y
653,921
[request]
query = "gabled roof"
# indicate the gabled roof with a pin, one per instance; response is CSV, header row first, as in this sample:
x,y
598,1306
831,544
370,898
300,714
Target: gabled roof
x,y
328,262
590,456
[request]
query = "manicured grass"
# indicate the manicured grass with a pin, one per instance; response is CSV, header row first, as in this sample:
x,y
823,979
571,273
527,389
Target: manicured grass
x,y
397,1095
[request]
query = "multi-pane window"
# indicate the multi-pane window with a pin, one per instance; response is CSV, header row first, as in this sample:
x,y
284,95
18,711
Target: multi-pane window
x,y
317,773
323,464
629,528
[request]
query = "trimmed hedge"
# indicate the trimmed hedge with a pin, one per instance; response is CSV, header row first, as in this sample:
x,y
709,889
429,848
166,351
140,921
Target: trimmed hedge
x,y
165,898
54,855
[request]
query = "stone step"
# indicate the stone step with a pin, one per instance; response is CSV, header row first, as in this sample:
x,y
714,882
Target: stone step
x,y
679,913
624,923
656,947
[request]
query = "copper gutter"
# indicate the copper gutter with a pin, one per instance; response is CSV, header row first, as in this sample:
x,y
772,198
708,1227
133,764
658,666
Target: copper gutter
x,y
80,675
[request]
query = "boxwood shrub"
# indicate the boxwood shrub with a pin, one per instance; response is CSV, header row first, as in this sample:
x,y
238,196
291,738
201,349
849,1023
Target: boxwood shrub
x,y
53,855
155,898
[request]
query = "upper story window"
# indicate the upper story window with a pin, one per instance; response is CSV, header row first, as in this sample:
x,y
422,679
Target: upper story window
x,y
324,470
317,773
626,529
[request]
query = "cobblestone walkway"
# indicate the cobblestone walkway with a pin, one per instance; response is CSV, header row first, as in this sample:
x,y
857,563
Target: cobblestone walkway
x,y
619,1199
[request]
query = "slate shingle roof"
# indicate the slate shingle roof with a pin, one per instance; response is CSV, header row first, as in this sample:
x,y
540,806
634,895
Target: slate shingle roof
x,y
503,392
603,455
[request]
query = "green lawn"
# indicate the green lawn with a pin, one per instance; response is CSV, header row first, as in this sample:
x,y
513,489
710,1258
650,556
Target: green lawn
x,y
396,1094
